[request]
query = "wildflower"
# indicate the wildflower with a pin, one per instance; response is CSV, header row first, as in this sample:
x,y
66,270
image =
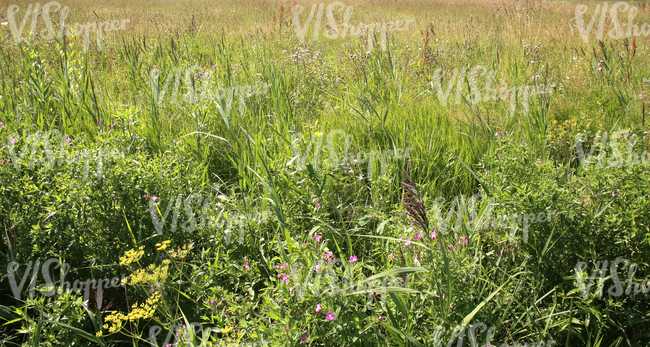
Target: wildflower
x,y
144,196
317,267
212,303
68,140
318,308
303,243
318,204
353,258
407,242
304,338
613,195
417,236
360,177
392,256
246,266
286,329
153,197
330,316
433,235
318,237
416,260
449,246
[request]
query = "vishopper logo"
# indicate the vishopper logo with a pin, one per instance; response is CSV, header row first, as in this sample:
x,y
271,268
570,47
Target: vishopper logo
x,y
223,220
331,276
617,289
182,334
51,31
334,31
44,155
458,333
617,32
600,141
490,92
50,287
199,86
475,213
336,158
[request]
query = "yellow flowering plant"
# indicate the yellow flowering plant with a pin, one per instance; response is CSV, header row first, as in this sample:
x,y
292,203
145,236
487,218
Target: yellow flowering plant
x,y
150,282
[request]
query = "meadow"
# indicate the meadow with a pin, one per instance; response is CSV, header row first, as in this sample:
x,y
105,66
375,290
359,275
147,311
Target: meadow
x,y
358,173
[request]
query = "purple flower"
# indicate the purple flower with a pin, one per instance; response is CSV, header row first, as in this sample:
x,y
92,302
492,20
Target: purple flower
x,y
212,303
68,140
318,204
304,338
318,308
353,258
144,196
330,316
318,237
433,235
286,329
246,266
407,242
154,198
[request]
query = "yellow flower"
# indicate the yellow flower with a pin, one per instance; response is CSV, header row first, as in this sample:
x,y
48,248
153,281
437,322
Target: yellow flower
x,y
132,256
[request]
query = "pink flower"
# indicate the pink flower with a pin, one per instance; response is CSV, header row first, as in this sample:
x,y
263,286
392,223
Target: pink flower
x,y
392,256
318,204
318,308
317,267
449,246
313,200
304,338
433,235
353,258
417,236
144,196
613,195
407,242
416,260
330,316
153,197
246,266
285,279
68,140
286,329
318,237
303,243
212,303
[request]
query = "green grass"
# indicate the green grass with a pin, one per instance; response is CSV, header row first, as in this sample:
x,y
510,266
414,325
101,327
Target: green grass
x,y
240,152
